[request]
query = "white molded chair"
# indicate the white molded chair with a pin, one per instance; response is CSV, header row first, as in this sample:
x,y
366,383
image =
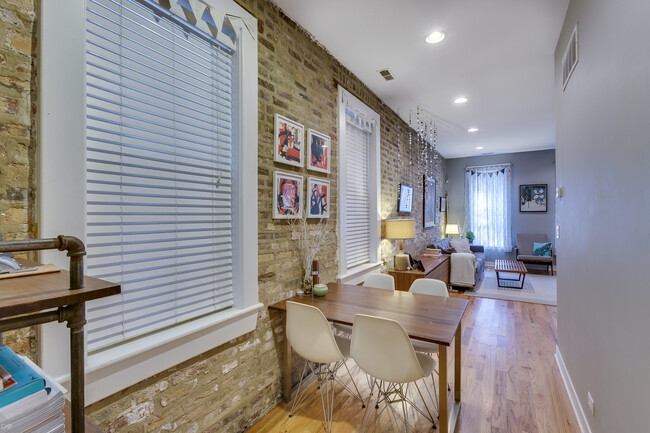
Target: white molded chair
x,y
428,286
382,349
380,281
311,337
377,281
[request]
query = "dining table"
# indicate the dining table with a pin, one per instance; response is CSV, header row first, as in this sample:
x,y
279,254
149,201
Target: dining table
x,y
434,319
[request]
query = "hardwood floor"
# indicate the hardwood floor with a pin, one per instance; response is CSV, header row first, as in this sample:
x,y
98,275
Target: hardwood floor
x,y
510,380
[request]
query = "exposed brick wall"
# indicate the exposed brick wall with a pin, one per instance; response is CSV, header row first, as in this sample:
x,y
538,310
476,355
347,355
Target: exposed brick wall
x,y
229,387
18,136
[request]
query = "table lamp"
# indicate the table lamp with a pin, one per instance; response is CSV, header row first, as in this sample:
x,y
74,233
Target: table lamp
x,y
452,229
400,229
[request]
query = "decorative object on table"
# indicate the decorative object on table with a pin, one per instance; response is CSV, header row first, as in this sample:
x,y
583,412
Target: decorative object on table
x,y
443,204
533,198
320,289
318,193
470,236
429,201
400,229
315,272
288,141
452,229
287,195
318,151
542,249
405,199
431,252
309,237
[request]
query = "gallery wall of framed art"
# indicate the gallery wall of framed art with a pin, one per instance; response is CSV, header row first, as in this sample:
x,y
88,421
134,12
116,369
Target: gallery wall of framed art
x,y
314,153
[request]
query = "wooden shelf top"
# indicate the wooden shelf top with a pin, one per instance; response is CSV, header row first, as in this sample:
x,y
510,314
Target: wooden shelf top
x,y
33,293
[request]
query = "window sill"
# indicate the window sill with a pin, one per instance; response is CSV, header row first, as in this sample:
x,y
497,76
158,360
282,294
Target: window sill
x,y
359,273
112,370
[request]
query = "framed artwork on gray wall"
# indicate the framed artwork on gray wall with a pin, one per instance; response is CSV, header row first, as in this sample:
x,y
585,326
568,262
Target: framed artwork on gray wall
x,y
533,198
429,201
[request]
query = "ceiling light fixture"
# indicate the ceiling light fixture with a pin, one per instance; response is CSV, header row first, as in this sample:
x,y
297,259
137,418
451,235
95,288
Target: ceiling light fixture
x,y
472,130
479,148
460,100
435,37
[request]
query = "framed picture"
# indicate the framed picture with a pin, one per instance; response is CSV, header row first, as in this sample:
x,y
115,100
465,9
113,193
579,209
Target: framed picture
x,y
288,142
533,198
318,151
429,201
287,195
318,191
443,204
405,200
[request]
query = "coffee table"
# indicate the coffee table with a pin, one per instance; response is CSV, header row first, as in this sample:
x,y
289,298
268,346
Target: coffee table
x,y
511,266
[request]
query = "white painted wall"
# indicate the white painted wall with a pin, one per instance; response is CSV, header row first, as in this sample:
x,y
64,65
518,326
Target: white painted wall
x,y
603,164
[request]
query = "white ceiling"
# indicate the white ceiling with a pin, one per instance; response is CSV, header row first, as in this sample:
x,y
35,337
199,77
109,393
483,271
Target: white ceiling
x,y
497,53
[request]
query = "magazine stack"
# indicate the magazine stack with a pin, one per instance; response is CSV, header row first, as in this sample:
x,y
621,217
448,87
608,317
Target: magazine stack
x,y
30,401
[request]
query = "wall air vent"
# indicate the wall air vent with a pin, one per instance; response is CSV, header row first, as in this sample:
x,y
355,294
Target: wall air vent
x,y
570,58
388,75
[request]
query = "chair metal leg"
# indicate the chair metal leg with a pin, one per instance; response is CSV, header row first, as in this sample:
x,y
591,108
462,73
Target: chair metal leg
x,y
300,394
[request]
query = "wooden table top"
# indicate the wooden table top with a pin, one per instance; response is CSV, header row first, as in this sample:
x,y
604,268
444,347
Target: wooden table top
x,y
32,293
424,317
514,266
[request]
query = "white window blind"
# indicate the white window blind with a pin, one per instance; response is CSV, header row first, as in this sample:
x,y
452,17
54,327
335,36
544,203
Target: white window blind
x,y
357,198
159,163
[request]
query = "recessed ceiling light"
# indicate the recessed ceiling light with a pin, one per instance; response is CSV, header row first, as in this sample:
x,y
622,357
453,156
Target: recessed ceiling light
x,y
460,100
435,37
479,148
472,130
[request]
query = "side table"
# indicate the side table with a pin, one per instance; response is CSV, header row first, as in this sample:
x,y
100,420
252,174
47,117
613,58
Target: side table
x,y
434,267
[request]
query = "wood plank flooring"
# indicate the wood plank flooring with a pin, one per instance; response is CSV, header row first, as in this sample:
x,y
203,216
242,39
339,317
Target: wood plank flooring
x,y
510,380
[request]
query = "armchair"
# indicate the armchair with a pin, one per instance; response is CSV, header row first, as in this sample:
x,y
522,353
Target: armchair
x,y
524,250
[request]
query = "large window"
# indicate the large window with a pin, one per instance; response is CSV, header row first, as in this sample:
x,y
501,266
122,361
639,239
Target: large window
x,y
488,205
155,162
358,189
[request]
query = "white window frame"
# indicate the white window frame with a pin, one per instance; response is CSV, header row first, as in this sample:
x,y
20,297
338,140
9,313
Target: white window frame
x,y
359,273
62,202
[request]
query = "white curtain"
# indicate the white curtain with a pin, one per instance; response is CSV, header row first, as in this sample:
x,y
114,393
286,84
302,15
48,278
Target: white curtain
x,y
488,205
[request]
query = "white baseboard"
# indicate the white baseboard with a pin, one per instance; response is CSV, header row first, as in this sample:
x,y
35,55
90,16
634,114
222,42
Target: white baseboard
x,y
583,424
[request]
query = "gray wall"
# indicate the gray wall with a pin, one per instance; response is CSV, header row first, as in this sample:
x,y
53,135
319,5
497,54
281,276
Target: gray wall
x,y
603,164
527,168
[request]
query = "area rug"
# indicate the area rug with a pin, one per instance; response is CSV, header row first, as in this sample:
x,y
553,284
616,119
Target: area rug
x,y
538,289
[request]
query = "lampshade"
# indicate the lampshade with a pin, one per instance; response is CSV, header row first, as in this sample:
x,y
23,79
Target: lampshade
x,y
400,229
452,229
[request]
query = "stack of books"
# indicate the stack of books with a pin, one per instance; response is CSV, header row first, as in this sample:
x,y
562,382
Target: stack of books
x,y
431,252
30,401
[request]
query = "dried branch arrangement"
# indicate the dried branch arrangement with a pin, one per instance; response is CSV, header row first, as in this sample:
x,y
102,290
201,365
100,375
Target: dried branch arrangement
x,y
309,239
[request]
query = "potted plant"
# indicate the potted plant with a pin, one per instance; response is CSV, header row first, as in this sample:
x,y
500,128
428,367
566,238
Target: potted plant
x,y
470,236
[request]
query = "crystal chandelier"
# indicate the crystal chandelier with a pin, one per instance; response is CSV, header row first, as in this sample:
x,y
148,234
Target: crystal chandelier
x,y
423,138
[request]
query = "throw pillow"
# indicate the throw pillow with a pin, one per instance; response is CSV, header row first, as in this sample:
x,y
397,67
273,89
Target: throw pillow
x,y
460,245
447,250
542,249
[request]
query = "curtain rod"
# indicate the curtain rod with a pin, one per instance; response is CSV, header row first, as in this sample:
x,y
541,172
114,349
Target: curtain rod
x,y
505,164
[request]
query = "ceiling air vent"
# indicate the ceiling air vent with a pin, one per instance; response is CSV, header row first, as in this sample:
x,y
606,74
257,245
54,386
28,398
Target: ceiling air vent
x,y
570,59
388,75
